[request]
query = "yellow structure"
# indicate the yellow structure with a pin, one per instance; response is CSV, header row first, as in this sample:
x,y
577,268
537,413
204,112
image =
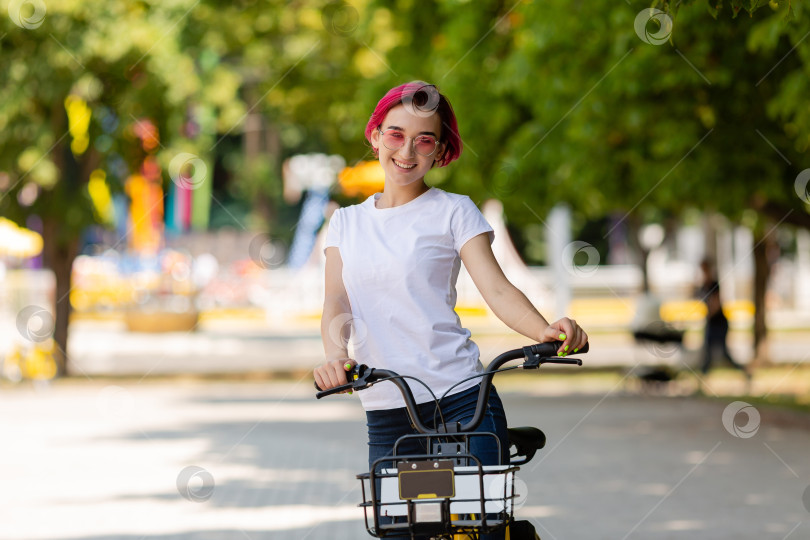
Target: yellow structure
x,y
146,213
364,179
16,241
78,114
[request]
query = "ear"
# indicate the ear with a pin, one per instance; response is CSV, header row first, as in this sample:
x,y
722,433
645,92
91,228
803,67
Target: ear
x,y
375,140
440,153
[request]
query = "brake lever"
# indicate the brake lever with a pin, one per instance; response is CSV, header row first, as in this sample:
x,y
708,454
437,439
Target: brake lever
x,y
534,358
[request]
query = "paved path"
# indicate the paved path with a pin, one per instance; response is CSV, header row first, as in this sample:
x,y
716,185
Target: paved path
x,y
92,461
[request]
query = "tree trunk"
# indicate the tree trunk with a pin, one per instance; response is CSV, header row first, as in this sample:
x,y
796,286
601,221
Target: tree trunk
x,y
58,255
641,254
762,272
61,233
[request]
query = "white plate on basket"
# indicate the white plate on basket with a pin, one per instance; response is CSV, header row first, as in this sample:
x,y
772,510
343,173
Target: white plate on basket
x,y
497,490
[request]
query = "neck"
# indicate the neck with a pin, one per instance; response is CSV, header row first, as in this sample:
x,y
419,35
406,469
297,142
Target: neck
x,y
393,195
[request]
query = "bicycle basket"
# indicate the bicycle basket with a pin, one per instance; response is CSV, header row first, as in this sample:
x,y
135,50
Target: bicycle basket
x,y
428,495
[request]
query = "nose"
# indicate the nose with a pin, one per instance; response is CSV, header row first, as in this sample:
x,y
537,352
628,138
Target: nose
x,y
407,150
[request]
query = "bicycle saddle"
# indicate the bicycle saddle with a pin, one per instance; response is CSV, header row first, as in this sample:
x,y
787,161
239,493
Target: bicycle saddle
x,y
527,441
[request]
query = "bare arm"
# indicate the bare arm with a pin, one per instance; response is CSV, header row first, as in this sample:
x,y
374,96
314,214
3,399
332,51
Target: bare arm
x,y
509,304
335,325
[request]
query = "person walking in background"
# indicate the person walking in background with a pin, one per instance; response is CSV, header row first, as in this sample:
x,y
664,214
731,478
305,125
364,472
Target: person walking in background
x,y
716,332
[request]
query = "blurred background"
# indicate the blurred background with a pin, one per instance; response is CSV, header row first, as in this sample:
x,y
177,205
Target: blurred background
x,y
168,170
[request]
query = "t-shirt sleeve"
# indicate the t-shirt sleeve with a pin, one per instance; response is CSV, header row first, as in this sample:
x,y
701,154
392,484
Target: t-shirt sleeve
x,y
467,222
333,231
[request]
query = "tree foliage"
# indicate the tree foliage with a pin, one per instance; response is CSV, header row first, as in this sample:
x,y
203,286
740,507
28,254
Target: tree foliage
x,y
557,106
82,81
557,102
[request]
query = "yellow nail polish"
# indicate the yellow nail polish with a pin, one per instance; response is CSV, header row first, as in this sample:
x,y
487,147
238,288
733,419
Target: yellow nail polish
x,y
576,350
562,336
347,366
566,347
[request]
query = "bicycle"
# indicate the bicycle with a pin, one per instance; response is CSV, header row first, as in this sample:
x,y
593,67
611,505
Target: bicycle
x,y
447,493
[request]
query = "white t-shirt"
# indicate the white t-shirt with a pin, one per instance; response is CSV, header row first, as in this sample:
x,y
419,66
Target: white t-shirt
x,y
400,267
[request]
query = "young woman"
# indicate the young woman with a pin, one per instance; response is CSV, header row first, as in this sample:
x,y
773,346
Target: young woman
x,y
391,269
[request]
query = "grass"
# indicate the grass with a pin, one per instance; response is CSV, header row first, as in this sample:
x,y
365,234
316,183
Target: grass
x,y
782,401
786,387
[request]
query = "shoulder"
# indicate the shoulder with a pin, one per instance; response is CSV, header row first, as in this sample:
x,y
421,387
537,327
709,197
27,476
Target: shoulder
x,y
348,212
447,196
453,200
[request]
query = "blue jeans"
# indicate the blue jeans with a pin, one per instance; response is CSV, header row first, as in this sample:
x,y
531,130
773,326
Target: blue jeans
x,y
386,426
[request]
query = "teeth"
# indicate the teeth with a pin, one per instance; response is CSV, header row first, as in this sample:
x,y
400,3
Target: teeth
x,y
405,165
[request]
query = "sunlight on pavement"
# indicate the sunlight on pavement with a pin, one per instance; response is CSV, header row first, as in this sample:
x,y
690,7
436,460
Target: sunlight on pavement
x,y
116,460
682,525
108,458
127,517
526,512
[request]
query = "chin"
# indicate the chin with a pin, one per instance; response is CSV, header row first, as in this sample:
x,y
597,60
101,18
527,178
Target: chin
x,y
405,181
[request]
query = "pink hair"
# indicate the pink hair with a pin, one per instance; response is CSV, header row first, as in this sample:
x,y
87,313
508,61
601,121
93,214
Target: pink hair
x,y
420,94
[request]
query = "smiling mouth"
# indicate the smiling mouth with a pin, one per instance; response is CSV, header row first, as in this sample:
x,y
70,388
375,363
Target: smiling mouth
x,y
405,166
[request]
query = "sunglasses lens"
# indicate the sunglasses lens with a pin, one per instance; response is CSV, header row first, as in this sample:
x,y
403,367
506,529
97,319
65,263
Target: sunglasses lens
x,y
423,144
393,139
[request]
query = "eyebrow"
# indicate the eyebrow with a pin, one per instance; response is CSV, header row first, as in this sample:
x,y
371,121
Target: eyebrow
x,y
420,133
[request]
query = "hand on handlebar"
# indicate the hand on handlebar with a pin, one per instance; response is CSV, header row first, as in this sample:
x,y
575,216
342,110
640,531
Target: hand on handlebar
x,y
333,373
567,330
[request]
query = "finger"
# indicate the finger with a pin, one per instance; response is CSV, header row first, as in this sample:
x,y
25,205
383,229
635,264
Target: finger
x,y
318,379
567,333
337,374
583,339
551,333
573,337
327,372
578,340
348,365
570,331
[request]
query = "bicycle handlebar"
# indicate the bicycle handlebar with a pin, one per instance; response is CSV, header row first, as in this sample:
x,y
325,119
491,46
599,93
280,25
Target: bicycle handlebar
x,y
362,377
334,390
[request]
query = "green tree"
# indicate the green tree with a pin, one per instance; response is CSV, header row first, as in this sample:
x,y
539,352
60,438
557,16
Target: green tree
x,y
561,105
554,104
225,66
774,36
117,62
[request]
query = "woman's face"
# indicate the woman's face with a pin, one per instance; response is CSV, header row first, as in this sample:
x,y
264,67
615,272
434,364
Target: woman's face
x,y
404,165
